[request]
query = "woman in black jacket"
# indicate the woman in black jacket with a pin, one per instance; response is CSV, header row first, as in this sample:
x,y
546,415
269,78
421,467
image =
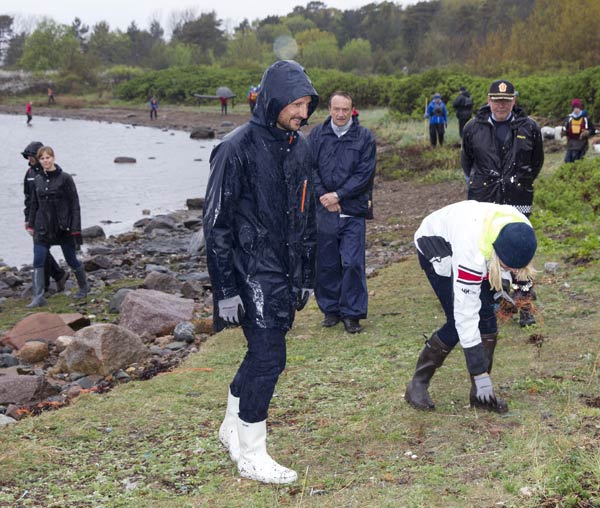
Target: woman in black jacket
x,y
54,219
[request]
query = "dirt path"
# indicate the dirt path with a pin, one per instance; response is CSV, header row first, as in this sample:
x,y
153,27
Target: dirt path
x,y
399,206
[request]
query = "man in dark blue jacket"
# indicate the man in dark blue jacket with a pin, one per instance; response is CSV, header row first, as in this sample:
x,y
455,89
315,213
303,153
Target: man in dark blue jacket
x,y
344,157
260,235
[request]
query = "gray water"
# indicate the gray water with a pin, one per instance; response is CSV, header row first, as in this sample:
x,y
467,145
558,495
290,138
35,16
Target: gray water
x,y
165,175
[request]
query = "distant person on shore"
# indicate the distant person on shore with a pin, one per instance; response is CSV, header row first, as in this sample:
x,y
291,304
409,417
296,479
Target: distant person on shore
x,y
463,106
578,128
464,250
51,267
223,101
438,120
51,96
259,225
502,154
153,105
29,112
344,157
54,219
252,96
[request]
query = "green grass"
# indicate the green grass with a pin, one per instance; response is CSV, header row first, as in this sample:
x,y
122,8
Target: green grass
x,y
338,417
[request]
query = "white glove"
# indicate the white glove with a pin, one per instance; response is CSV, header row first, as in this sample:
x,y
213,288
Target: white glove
x,y
231,310
304,296
485,390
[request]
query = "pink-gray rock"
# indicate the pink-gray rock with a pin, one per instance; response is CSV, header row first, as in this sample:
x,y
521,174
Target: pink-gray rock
x,y
101,349
34,351
20,390
153,313
162,282
41,325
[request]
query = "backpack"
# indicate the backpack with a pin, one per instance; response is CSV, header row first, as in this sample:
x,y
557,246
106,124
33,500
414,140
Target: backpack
x,y
438,111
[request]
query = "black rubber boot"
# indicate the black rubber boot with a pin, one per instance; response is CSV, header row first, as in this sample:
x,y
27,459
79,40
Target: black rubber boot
x,y
489,341
81,282
430,359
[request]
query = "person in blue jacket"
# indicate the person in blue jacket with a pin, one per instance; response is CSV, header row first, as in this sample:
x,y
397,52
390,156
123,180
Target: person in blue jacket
x,y
259,226
344,155
438,119
153,105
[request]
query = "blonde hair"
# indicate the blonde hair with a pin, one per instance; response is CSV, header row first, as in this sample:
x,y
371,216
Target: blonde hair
x,y
495,272
45,149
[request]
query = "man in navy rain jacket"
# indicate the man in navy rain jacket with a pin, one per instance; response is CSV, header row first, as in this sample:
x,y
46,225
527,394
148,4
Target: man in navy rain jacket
x,y
344,157
260,232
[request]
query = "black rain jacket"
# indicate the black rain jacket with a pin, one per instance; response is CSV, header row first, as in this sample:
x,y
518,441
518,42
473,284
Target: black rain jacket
x,y
259,213
506,177
54,212
345,165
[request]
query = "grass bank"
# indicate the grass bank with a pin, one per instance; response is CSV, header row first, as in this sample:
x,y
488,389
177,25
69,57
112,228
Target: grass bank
x,y
339,418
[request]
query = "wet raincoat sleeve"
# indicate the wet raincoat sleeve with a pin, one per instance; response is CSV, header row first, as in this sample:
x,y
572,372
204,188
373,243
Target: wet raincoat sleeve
x,y
361,179
75,210
537,158
313,140
219,221
309,245
27,191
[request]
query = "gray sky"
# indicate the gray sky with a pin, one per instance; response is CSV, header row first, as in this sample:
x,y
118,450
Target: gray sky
x,y
119,13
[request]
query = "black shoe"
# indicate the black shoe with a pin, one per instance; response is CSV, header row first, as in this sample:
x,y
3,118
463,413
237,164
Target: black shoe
x,y
351,325
330,320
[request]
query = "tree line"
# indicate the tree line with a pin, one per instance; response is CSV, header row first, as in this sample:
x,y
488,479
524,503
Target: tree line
x,y
482,36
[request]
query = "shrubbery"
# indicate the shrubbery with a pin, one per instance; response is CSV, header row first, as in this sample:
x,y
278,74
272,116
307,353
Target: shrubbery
x,y
567,204
546,96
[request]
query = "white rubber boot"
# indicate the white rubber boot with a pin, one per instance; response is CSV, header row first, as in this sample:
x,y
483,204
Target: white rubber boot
x,y
255,463
228,432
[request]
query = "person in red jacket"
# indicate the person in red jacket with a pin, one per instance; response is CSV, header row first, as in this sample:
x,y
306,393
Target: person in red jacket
x,y
28,112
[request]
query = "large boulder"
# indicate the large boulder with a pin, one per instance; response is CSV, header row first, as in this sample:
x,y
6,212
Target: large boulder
x,y
20,390
41,325
202,132
92,233
197,243
162,282
153,313
101,349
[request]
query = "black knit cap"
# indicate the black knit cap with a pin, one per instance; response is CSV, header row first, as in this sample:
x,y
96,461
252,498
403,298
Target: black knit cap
x,y
31,149
502,90
516,244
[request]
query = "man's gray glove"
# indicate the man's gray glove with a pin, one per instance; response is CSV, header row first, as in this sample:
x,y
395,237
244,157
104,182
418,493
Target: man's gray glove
x,y
485,390
231,310
303,298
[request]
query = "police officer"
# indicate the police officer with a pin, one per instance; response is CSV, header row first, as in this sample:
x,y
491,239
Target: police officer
x,y
260,235
502,154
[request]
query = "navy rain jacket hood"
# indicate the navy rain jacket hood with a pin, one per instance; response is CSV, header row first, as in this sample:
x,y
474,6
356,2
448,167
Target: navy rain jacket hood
x,y
259,222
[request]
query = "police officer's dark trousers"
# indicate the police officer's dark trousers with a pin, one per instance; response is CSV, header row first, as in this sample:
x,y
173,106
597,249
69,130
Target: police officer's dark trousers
x,y
341,278
255,380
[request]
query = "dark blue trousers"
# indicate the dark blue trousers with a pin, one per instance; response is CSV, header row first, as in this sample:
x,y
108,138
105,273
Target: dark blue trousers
x,y
442,286
341,287
41,250
255,380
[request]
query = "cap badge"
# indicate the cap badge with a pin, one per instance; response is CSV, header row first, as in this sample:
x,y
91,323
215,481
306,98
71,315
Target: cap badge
x,y
502,87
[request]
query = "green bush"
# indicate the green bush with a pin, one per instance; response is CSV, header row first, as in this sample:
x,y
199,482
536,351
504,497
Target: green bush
x,y
567,206
543,95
